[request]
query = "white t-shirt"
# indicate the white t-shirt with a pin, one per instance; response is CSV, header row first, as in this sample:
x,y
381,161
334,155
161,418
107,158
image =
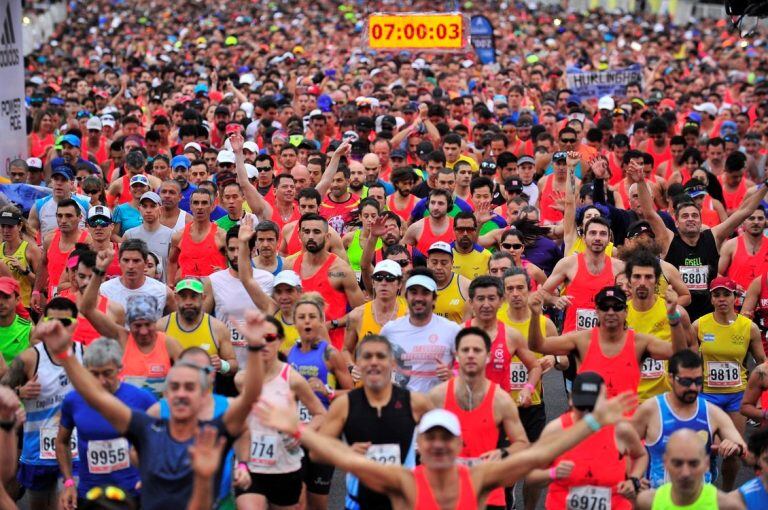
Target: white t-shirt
x,y
416,349
115,290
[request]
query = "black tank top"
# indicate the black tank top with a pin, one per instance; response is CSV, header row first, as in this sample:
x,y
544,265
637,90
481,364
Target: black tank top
x,y
395,425
688,260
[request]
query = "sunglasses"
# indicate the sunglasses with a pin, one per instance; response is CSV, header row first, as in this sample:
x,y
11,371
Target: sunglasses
x,y
384,277
99,223
689,381
403,262
264,169
567,140
511,246
271,337
616,307
226,165
65,321
110,492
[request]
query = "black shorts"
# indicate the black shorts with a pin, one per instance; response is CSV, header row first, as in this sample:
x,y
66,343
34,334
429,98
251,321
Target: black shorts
x,y
282,489
317,476
534,419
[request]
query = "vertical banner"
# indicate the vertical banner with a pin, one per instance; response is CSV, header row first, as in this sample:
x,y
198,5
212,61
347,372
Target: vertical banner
x,y
13,131
481,36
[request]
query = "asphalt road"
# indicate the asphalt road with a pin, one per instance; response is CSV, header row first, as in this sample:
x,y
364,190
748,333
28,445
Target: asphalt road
x,y
556,403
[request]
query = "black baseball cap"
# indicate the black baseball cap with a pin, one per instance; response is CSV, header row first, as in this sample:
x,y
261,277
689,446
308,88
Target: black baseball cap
x,y
558,156
612,293
424,149
586,388
9,218
638,228
514,186
587,190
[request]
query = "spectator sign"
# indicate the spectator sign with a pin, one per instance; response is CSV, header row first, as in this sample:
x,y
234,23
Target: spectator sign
x,y
13,133
612,82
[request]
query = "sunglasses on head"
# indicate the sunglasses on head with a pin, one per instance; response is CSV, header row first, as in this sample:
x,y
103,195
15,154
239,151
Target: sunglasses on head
x,y
384,277
511,246
689,381
65,321
616,307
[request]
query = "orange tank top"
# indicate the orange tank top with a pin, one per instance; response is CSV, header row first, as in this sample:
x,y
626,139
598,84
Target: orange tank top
x,y
425,499
547,199
745,267
620,372
146,370
597,469
57,260
659,157
336,300
294,243
479,432
405,213
497,368
733,199
709,216
585,285
40,146
200,258
428,236
125,195
84,332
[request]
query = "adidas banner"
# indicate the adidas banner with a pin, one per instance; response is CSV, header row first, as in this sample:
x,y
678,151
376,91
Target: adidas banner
x,y
13,133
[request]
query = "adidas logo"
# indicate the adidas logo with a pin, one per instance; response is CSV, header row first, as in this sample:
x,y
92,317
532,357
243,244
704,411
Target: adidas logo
x,y
10,53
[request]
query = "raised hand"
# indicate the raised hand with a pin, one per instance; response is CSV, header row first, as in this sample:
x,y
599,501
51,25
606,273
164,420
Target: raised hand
x,y
31,389
104,258
246,229
342,149
56,337
535,302
379,226
284,419
609,411
599,167
205,453
670,298
255,327
236,140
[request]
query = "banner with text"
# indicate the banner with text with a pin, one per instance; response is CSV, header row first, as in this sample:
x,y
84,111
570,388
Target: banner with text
x,y
13,131
481,36
603,83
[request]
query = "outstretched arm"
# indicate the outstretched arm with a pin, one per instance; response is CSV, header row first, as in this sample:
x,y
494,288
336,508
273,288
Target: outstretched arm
x,y
258,205
245,272
88,306
724,230
663,234
333,165
562,344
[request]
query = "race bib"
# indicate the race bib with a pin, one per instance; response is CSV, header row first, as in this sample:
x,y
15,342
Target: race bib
x,y
652,369
304,415
589,497
518,375
723,374
586,318
238,340
694,277
384,453
48,443
264,450
108,456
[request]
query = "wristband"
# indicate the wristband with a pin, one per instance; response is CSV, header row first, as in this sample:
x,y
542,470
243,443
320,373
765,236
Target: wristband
x,y
299,431
674,317
242,465
7,425
99,272
592,422
635,483
224,366
553,473
530,387
334,324
69,483
64,354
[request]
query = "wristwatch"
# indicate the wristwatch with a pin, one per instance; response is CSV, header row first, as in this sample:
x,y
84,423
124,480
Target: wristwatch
x,y
334,324
99,272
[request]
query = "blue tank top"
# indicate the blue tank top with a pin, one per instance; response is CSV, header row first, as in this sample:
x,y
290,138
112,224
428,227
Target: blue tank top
x,y
670,423
279,266
754,494
312,364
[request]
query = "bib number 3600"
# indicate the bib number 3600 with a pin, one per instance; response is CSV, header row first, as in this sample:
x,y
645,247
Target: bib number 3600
x,y
589,498
586,318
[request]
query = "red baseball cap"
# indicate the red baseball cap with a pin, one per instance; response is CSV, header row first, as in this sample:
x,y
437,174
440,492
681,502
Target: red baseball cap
x,y
9,285
723,282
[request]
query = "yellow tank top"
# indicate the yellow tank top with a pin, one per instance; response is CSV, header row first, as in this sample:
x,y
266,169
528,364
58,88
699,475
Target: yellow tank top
x,y
472,264
201,336
21,255
580,247
723,349
653,373
291,334
523,327
450,302
368,324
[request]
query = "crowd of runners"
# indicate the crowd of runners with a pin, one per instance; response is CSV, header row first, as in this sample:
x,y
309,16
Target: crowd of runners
x,y
260,252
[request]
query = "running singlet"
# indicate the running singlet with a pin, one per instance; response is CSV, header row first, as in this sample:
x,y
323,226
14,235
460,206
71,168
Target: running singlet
x,y
293,245
518,372
84,332
698,266
547,199
754,494
598,468
585,285
368,324
669,423
312,364
42,424
659,157
25,285
125,195
709,216
405,213
428,236
268,453
57,260
390,432
479,433
425,499
450,302
39,145
723,349
733,199
146,370
621,372
200,258
200,336
662,500
579,246
745,267
340,215
336,300
653,373
290,332
355,251
499,368
14,338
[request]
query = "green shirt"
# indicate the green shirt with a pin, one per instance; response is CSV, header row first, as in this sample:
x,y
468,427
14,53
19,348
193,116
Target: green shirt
x,y
662,500
14,338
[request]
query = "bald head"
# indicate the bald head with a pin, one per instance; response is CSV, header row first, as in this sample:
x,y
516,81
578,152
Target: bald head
x,y
372,165
686,460
687,440
300,175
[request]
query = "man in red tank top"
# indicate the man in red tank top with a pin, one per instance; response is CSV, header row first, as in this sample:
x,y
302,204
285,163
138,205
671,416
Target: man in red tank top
x,y
439,482
198,249
481,406
401,202
436,227
119,191
325,273
657,145
745,257
608,347
734,181
583,274
309,202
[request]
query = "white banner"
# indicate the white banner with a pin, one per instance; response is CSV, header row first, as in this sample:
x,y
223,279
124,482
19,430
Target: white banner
x,y
13,131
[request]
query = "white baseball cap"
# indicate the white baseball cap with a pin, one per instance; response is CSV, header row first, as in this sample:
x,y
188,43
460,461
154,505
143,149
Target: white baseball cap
x,y
251,170
99,211
440,418
606,103
193,145
389,267
107,120
249,146
440,246
35,163
708,108
287,277
93,123
421,280
226,156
